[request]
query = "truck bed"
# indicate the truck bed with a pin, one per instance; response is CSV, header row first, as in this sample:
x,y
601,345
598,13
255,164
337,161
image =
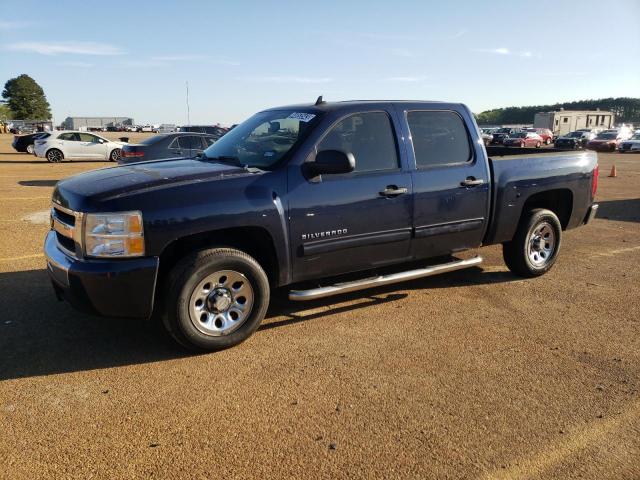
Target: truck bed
x,y
519,174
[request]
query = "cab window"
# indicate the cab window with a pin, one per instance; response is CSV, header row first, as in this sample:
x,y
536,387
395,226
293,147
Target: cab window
x,y
439,138
369,137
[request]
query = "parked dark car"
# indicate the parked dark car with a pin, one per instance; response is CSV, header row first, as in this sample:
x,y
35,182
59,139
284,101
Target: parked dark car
x,y
166,145
605,142
574,140
24,143
502,133
300,196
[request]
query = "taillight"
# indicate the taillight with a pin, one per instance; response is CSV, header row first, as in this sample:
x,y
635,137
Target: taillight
x,y
594,181
132,154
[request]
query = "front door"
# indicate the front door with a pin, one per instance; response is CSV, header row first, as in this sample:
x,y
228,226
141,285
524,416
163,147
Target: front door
x,y
355,221
91,146
450,182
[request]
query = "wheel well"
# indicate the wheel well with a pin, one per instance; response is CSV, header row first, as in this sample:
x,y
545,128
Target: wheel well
x,y
255,241
559,202
54,148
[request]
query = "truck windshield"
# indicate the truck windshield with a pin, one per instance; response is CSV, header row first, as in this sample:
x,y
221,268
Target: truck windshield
x,y
264,139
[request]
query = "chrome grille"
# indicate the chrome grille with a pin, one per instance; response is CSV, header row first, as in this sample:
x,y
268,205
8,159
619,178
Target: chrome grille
x,y
68,227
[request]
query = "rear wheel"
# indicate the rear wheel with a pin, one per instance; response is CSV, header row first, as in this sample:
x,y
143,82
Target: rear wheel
x,y
115,154
30,149
215,299
54,155
536,244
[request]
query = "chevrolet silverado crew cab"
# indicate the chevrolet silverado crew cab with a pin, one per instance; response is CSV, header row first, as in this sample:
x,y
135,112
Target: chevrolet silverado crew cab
x,y
316,197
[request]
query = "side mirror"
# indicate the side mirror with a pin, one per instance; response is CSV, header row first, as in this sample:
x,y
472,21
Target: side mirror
x,y
331,162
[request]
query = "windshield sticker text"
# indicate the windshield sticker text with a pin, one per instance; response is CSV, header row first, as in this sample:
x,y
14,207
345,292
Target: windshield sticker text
x,y
303,117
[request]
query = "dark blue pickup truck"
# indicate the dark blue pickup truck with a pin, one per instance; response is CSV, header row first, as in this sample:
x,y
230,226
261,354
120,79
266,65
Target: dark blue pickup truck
x,y
307,193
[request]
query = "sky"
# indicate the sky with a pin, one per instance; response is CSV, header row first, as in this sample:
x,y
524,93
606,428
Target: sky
x,y
126,58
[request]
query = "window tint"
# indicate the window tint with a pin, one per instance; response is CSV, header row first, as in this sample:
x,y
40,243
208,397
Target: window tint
x,y
69,136
190,142
369,137
86,137
439,138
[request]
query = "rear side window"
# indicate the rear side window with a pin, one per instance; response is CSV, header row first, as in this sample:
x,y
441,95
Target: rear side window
x,y
369,137
190,142
439,138
69,136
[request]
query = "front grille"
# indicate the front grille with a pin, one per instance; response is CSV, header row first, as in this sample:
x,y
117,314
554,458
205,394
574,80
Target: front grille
x,y
66,243
67,224
64,216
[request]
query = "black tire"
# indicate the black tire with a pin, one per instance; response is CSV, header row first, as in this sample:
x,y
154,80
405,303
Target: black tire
x,y
114,156
547,141
54,155
538,145
518,252
186,277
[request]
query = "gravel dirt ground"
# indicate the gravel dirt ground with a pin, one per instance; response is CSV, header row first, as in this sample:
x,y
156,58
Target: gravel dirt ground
x,y
473,374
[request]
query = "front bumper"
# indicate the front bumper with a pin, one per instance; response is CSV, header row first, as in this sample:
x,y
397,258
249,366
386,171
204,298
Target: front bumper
x,y
111,288
591,213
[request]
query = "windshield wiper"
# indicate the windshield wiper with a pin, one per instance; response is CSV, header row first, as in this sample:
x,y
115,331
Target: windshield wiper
x,y
231,160
228,159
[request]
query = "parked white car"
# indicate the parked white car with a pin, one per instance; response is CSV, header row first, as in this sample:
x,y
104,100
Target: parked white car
x,y
72,144
631,145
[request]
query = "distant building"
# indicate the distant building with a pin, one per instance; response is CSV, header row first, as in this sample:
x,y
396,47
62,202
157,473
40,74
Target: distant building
x,y
87,123
565,121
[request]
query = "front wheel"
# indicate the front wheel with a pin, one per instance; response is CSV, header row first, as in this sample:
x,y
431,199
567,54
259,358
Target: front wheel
x,y
538,144
547,141
215,298
536,244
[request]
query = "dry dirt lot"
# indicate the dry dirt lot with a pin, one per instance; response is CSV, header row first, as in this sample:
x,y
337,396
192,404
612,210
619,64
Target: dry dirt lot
x,y
474,374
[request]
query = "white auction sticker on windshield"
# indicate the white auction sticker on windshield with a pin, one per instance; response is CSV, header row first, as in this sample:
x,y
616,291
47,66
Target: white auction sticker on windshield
x,y
303,117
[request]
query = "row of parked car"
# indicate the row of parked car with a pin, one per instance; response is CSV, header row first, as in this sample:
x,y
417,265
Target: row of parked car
x,y
622,139
68,144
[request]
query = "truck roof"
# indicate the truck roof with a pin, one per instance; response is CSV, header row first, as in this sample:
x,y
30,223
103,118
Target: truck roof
x,y
349,104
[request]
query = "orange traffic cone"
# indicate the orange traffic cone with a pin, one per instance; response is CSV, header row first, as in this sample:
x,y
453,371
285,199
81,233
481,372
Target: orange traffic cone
x,y
614,172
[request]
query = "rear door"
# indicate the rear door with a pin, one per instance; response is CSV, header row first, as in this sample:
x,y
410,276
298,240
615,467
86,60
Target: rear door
x,y
450,181
69,143
358,220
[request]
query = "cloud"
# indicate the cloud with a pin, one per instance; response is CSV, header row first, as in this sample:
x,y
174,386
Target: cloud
x,y
194,58
289,79
408,78
76,64
402,52
506,51
13,24
458,34
56,48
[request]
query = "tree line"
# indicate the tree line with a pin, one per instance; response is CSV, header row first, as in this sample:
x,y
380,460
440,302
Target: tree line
x,y
626,110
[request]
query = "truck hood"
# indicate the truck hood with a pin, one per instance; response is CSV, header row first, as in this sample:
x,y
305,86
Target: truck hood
x,y
124,180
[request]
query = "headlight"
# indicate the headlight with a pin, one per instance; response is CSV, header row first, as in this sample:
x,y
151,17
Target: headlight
x,y
113,234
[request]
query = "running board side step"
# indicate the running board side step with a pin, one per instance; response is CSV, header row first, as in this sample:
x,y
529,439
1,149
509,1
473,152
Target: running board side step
x,y
338,288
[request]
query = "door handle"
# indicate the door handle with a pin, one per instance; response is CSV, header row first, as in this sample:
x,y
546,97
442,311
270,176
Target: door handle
x,y
393,191
471,182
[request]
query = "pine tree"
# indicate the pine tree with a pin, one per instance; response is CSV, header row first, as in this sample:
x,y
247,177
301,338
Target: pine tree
x,y
26,99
